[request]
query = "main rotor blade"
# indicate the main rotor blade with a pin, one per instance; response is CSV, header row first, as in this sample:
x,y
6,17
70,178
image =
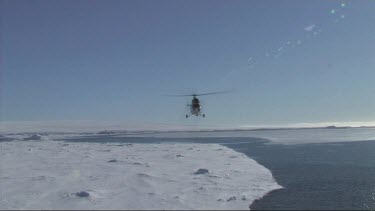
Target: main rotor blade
x,y
180,95
193,95
213,93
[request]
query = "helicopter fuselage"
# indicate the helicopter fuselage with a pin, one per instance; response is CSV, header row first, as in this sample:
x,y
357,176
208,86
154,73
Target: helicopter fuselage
x,y
195,107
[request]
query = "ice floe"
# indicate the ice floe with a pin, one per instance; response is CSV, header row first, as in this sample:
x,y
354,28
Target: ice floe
x,y
55,175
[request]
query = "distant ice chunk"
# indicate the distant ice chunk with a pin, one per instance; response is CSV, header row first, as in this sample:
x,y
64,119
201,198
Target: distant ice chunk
x,y
4,138
35,137
106,132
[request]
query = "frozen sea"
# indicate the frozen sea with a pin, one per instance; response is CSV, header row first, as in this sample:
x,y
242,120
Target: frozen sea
x,y
265,169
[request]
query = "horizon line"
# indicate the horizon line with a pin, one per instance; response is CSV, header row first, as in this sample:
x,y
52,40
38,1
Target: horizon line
x,y
97,126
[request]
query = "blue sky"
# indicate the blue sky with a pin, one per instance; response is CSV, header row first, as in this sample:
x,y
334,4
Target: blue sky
x,y
287,61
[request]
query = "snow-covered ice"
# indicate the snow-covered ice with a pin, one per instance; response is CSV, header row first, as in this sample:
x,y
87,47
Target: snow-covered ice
x,y
49,174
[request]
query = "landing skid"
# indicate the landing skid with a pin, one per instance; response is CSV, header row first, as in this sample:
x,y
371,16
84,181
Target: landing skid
x,y
203,115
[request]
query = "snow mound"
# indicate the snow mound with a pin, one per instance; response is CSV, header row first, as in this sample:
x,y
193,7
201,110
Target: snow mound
x,y
201,171
82,194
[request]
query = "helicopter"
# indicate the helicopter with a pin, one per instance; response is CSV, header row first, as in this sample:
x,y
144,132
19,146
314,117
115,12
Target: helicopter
x,y
195,106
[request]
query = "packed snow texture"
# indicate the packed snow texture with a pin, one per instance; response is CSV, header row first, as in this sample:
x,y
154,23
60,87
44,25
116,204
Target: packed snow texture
x,y
63,175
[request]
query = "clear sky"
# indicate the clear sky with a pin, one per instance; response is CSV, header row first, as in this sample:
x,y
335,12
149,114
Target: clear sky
x,y
287,61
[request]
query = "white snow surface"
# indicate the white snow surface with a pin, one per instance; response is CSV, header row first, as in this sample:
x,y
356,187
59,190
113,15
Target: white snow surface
x,y
64,175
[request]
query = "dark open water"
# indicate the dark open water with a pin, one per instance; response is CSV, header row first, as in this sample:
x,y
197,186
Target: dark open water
x,y
317,176
314,176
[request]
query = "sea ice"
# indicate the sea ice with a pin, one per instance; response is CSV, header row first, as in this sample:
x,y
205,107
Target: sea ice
x,y
80,175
